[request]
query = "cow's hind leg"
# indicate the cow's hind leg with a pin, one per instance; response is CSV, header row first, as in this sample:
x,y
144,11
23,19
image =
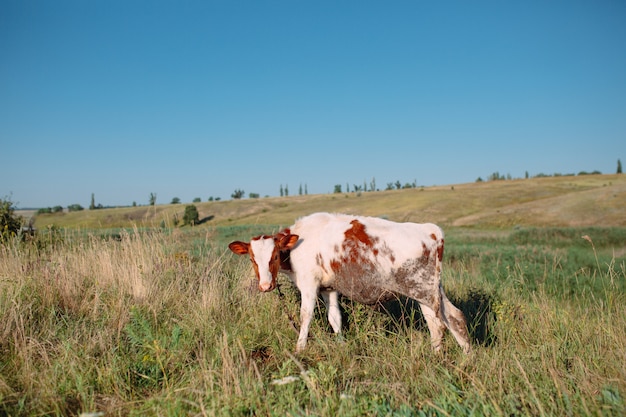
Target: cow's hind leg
x,y
331,298
435,326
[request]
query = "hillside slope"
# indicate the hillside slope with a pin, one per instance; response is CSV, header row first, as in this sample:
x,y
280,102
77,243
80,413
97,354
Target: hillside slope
x,y
592,200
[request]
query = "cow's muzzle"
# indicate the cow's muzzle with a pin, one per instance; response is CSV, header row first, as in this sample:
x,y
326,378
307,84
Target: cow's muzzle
x,y
267,287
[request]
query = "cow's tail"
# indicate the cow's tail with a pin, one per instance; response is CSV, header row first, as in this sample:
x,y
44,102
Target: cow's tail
x,y
452,317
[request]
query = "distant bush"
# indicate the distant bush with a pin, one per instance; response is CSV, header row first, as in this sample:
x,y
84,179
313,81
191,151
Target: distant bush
x,y
191,216
75,207
10,223
254,195
237,194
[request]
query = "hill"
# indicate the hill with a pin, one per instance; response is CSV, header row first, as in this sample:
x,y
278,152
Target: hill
x,y
589,200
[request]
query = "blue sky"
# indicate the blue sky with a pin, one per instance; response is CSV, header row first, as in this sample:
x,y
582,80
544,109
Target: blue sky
x,y
198,98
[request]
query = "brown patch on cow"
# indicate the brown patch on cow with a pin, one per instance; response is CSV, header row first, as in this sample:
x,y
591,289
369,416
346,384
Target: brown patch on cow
x,y
319,260
357,233
416,278
433,236
254,264
425,251
357,274
354,249
458,325
440,251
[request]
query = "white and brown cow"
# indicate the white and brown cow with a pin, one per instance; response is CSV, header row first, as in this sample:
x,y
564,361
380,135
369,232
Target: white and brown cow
x,y
366,259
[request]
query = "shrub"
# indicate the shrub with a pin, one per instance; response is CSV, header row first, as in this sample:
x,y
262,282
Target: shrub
x,y
237,194
191,215
10,223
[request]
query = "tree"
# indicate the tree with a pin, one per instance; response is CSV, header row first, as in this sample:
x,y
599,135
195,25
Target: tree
x,y
337,189
282,192
175,200
254,195
238,194
300,189
191,216
92,205
75,207
619,166
152,199
10,223
197,200
286,190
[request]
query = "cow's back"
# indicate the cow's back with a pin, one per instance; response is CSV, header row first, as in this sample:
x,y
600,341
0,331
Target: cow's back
x,y
361,257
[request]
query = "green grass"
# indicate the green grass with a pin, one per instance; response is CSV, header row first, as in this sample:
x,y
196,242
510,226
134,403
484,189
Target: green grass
x,y
167,322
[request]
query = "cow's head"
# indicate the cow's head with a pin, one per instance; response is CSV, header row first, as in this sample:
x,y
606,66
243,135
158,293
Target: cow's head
x,y
265,254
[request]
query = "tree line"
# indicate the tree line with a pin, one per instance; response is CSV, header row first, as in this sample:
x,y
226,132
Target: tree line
x,y
303,190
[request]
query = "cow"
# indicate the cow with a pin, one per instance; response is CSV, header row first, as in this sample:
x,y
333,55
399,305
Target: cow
x,y
366,259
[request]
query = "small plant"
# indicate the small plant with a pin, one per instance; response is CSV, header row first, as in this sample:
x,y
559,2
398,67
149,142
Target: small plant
x,y
238,194
75,207
10,223
191,216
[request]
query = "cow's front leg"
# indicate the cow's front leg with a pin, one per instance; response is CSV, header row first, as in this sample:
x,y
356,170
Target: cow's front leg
x,y
307,307
331,298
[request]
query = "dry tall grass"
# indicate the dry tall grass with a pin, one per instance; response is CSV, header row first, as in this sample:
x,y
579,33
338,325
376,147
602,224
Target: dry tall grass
x,y
144,325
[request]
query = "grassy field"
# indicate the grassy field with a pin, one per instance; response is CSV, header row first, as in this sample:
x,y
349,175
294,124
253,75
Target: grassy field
x,y
555,201
165,321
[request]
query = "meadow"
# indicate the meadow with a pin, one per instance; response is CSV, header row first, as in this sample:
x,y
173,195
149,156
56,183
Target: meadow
x,y
166,321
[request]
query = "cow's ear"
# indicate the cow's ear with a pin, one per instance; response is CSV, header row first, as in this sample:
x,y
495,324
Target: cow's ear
x,y
288,241
240,248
